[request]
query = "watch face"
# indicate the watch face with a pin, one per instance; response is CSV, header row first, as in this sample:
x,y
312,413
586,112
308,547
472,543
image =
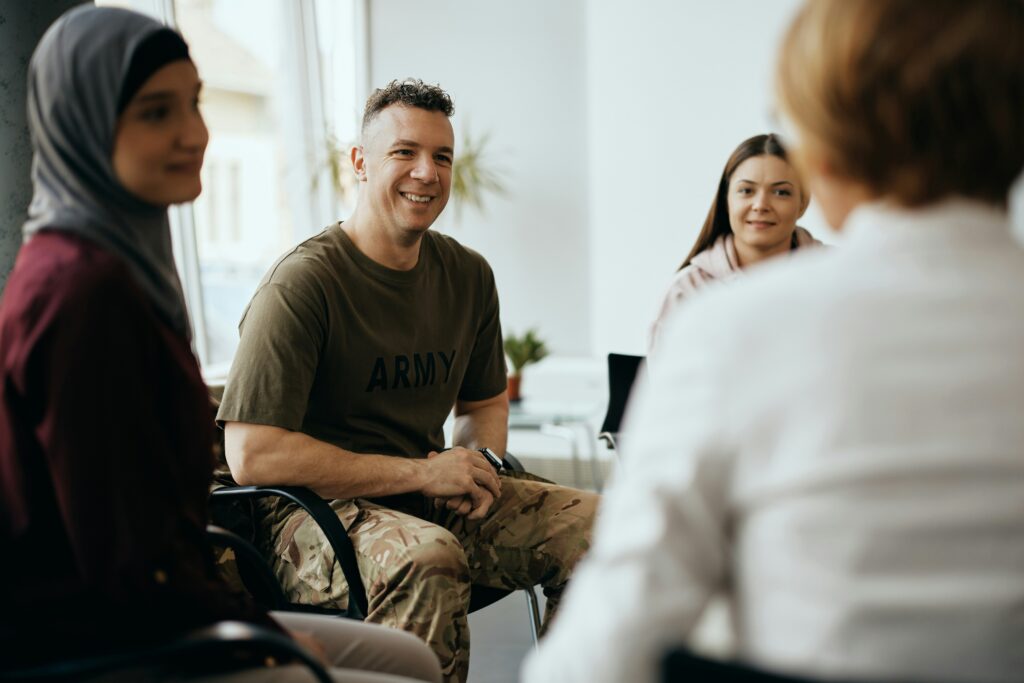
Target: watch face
x,y
495,461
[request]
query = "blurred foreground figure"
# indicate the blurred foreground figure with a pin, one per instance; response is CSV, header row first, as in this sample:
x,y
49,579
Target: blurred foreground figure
x,y
105,429
838,440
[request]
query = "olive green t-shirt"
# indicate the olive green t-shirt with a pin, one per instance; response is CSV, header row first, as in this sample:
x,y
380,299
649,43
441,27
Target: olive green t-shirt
x,y
364,357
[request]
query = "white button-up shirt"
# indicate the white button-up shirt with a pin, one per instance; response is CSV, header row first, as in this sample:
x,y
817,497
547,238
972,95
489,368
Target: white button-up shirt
x,y
838,440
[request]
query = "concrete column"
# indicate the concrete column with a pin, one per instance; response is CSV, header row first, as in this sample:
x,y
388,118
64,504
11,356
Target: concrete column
x,y
22,24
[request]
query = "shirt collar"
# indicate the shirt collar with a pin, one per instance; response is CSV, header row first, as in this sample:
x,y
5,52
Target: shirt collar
x,y
955,220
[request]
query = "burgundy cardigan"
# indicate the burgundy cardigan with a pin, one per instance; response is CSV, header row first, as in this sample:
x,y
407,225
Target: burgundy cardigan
x,y
105,464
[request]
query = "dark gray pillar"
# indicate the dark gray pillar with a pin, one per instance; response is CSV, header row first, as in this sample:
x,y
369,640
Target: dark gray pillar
x,y
22,24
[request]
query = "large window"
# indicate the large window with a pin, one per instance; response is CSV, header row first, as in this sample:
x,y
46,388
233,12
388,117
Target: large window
x,y
280,91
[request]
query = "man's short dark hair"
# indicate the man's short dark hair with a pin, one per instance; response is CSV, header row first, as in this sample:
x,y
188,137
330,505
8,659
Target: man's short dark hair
x,y
411,92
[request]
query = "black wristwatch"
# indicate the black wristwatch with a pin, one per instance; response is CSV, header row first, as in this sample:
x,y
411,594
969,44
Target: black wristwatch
x,y
497,463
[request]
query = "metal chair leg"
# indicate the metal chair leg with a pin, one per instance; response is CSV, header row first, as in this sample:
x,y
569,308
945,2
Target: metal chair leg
x,y
534,608
595,465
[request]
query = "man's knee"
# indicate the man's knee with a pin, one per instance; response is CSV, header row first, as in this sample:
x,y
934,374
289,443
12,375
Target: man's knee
x,y
587,512
572,523
422,582
565,514
431,555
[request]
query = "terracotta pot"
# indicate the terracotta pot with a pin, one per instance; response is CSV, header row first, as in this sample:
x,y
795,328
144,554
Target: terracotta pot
x,y
514,381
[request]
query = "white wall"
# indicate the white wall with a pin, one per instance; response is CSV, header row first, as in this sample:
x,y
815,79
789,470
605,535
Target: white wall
x,y
516,70
613,119
673,88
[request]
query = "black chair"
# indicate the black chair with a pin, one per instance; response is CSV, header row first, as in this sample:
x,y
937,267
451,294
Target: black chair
x,y
222,647
255,574
622,372
681,665
231,507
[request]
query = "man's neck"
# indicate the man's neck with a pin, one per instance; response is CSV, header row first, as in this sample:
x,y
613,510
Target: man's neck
x,y
395,251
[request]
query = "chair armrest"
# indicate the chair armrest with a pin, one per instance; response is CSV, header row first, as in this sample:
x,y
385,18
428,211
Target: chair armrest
x,y
219,647
512,463
334,531
217,638
252,567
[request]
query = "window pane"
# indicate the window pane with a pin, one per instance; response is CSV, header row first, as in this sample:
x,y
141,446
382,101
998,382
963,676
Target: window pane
x,y
339,54
276,121
243,222
154,8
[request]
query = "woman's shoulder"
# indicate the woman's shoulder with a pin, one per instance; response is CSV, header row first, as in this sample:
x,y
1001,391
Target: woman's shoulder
x,y
688,280
62,274
717,262
77,259
804,238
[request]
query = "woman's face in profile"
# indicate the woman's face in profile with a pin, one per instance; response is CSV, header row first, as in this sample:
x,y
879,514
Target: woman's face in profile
x,y
161,138
765,200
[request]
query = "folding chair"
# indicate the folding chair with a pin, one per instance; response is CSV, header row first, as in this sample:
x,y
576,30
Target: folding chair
x,y
253,567
622,372
681,666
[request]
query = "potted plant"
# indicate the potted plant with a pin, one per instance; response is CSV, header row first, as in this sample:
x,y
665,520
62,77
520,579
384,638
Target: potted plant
x,y
521,351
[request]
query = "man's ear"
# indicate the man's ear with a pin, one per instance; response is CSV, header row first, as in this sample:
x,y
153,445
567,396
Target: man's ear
x,y
358,163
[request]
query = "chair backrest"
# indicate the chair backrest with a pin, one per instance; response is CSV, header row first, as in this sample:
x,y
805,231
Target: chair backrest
x,y
622,372
682,665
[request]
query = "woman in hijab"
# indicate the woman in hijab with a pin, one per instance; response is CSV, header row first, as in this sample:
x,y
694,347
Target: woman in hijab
x,y
105,429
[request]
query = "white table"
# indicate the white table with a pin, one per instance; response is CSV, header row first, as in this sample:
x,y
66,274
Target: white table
x,y
568,421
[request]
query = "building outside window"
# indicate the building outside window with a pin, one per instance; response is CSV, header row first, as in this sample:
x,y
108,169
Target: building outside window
x,y
280,87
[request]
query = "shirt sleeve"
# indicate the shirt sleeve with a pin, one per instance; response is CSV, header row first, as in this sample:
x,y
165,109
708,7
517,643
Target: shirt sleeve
x,y
282,335
486,375
660,548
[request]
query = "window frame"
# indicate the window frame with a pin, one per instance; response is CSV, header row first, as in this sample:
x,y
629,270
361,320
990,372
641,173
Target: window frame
x,y
302,67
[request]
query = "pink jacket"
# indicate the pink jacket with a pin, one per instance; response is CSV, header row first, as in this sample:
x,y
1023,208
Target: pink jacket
x,y
719,263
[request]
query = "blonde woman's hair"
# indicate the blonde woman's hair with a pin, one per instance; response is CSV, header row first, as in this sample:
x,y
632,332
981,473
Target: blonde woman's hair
x,y
915,99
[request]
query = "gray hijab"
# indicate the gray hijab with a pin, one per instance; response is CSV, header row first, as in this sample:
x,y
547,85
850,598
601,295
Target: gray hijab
x,y
75,80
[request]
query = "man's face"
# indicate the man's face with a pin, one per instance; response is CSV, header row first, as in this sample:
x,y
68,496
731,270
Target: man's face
x,y
405,162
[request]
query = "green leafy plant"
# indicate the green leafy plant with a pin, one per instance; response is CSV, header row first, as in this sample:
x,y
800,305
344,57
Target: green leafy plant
x,y
522,351
472,179
337,162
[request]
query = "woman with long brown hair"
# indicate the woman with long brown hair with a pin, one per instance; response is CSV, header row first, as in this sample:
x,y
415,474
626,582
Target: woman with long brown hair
x,y
752,218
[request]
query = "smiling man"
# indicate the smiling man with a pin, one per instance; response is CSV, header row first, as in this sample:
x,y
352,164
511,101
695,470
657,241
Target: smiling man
x,y
354,349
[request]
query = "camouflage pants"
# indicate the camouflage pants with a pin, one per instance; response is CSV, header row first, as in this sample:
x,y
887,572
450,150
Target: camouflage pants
x,y
418,562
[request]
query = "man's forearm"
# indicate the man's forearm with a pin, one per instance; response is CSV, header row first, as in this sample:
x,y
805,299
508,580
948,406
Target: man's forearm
x,y
482,423
262,455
